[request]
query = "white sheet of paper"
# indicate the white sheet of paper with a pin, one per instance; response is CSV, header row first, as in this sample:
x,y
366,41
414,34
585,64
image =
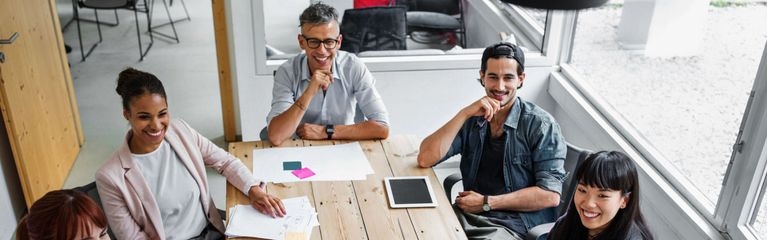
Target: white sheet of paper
x,y
329,163
246,221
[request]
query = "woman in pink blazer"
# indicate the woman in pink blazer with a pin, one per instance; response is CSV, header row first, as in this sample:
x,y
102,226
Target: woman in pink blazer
x,y
155,186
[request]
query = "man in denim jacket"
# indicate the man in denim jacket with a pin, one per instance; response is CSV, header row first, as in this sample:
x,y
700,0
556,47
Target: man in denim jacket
x,y
512,152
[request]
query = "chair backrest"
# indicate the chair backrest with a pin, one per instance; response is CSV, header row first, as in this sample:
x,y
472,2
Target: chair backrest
x,y
575,156
376,28
449,7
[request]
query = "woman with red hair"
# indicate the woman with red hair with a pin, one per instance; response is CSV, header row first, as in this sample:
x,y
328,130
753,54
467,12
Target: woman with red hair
x,y
63,215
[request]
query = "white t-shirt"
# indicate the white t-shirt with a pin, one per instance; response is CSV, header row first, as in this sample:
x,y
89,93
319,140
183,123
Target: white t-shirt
x,y
176,192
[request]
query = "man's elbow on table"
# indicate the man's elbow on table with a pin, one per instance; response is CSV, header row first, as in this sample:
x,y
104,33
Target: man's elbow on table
x,y
384,131
274,139
424,161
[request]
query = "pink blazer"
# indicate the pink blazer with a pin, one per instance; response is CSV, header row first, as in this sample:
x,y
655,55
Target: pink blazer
x,y
128,202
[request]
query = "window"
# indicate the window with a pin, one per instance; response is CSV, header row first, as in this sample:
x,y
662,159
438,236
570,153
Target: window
x,y
281,41
760,223
531,20
686,104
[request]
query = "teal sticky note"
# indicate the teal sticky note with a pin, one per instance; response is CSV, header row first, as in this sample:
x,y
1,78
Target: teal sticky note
x,y
291,165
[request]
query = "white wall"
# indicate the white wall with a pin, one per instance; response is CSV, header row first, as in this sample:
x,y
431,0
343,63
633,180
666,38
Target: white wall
x,y
418,102
12,203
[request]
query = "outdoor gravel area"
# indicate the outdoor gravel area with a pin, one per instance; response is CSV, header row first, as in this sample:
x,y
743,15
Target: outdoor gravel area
x,y
689,107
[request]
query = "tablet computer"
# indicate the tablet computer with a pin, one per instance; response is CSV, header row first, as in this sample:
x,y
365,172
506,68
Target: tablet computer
x,y
405,192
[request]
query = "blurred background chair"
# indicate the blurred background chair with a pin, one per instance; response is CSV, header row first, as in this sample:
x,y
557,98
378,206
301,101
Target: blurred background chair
x,y
143,6
435,21
112,5
575,156
172,22
374,28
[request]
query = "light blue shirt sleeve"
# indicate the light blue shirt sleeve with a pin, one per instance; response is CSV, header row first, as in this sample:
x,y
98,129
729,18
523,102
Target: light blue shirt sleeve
x,y
283,95
368,99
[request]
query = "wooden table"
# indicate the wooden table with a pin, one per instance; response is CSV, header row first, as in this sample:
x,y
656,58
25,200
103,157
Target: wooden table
x,y
360,209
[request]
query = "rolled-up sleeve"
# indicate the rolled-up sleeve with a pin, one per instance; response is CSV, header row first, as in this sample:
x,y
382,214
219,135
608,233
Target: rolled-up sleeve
x,y
368,99
282,93
456,146
549,157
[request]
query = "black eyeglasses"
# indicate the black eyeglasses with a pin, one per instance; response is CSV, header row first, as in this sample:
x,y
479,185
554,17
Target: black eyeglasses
x,y
315,42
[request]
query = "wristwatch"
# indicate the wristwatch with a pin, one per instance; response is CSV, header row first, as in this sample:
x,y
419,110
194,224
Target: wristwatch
x,y
329,130
486,206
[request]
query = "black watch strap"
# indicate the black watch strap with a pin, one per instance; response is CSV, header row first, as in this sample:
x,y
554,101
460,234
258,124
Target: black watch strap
x,y
329,130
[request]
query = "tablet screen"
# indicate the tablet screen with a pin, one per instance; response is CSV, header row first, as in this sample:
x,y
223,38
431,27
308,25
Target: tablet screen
x,y
410,192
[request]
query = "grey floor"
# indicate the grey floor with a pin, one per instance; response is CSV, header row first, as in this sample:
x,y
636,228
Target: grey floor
x,y
188,70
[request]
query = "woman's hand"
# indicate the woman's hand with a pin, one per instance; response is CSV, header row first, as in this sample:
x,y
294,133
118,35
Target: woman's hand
x,y
266,203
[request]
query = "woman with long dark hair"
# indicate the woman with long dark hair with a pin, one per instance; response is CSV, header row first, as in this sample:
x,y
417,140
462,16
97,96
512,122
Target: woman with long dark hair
x,y
606,202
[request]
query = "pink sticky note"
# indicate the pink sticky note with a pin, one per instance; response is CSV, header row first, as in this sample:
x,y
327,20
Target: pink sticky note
x,y
303,173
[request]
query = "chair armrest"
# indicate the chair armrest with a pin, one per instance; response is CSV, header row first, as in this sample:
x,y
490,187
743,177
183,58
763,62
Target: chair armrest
x,y
449,182
538,231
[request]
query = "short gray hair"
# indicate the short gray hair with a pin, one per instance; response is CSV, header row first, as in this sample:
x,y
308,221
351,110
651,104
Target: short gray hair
x,y
318,13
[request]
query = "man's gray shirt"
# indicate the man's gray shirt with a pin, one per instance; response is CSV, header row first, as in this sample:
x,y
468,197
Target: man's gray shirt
x,y
353,87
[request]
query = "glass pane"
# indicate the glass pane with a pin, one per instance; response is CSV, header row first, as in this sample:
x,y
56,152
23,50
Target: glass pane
x,y
760,223
281,22
538,15
689,106
531,21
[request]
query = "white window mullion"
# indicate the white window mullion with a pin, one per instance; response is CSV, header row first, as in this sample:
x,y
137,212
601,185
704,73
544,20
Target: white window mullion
x,y
746,172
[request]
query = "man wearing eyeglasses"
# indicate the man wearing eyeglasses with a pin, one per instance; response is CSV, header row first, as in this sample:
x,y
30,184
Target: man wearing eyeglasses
x,y
319,93
512,153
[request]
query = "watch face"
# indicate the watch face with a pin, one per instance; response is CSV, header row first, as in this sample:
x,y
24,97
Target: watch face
x,y
486,207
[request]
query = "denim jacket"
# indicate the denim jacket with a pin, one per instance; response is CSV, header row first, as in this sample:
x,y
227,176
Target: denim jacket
x,y
534,154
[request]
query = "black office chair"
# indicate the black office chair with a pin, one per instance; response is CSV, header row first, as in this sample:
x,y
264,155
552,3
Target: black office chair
x,y
575,156
429,20
375,28
112,5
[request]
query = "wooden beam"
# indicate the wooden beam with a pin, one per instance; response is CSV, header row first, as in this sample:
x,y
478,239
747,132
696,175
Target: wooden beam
x,y
224,70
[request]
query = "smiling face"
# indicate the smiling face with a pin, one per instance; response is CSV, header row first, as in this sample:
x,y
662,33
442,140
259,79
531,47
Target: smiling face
x,y
501,79
597,207
320,58
148,117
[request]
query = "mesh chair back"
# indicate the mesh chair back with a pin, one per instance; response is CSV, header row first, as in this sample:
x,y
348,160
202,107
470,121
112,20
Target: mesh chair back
x,y
376,28
449,7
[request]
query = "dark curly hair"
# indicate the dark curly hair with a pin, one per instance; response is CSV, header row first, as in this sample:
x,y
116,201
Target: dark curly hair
x,y
133,83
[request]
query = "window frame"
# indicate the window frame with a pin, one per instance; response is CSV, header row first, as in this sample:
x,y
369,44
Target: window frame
x,y
528,26
736,192
740,197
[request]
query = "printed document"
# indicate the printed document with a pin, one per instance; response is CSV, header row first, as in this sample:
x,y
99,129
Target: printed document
x,y
246,221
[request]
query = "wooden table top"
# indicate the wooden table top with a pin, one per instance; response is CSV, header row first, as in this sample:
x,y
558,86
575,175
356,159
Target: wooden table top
x,y
360,209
